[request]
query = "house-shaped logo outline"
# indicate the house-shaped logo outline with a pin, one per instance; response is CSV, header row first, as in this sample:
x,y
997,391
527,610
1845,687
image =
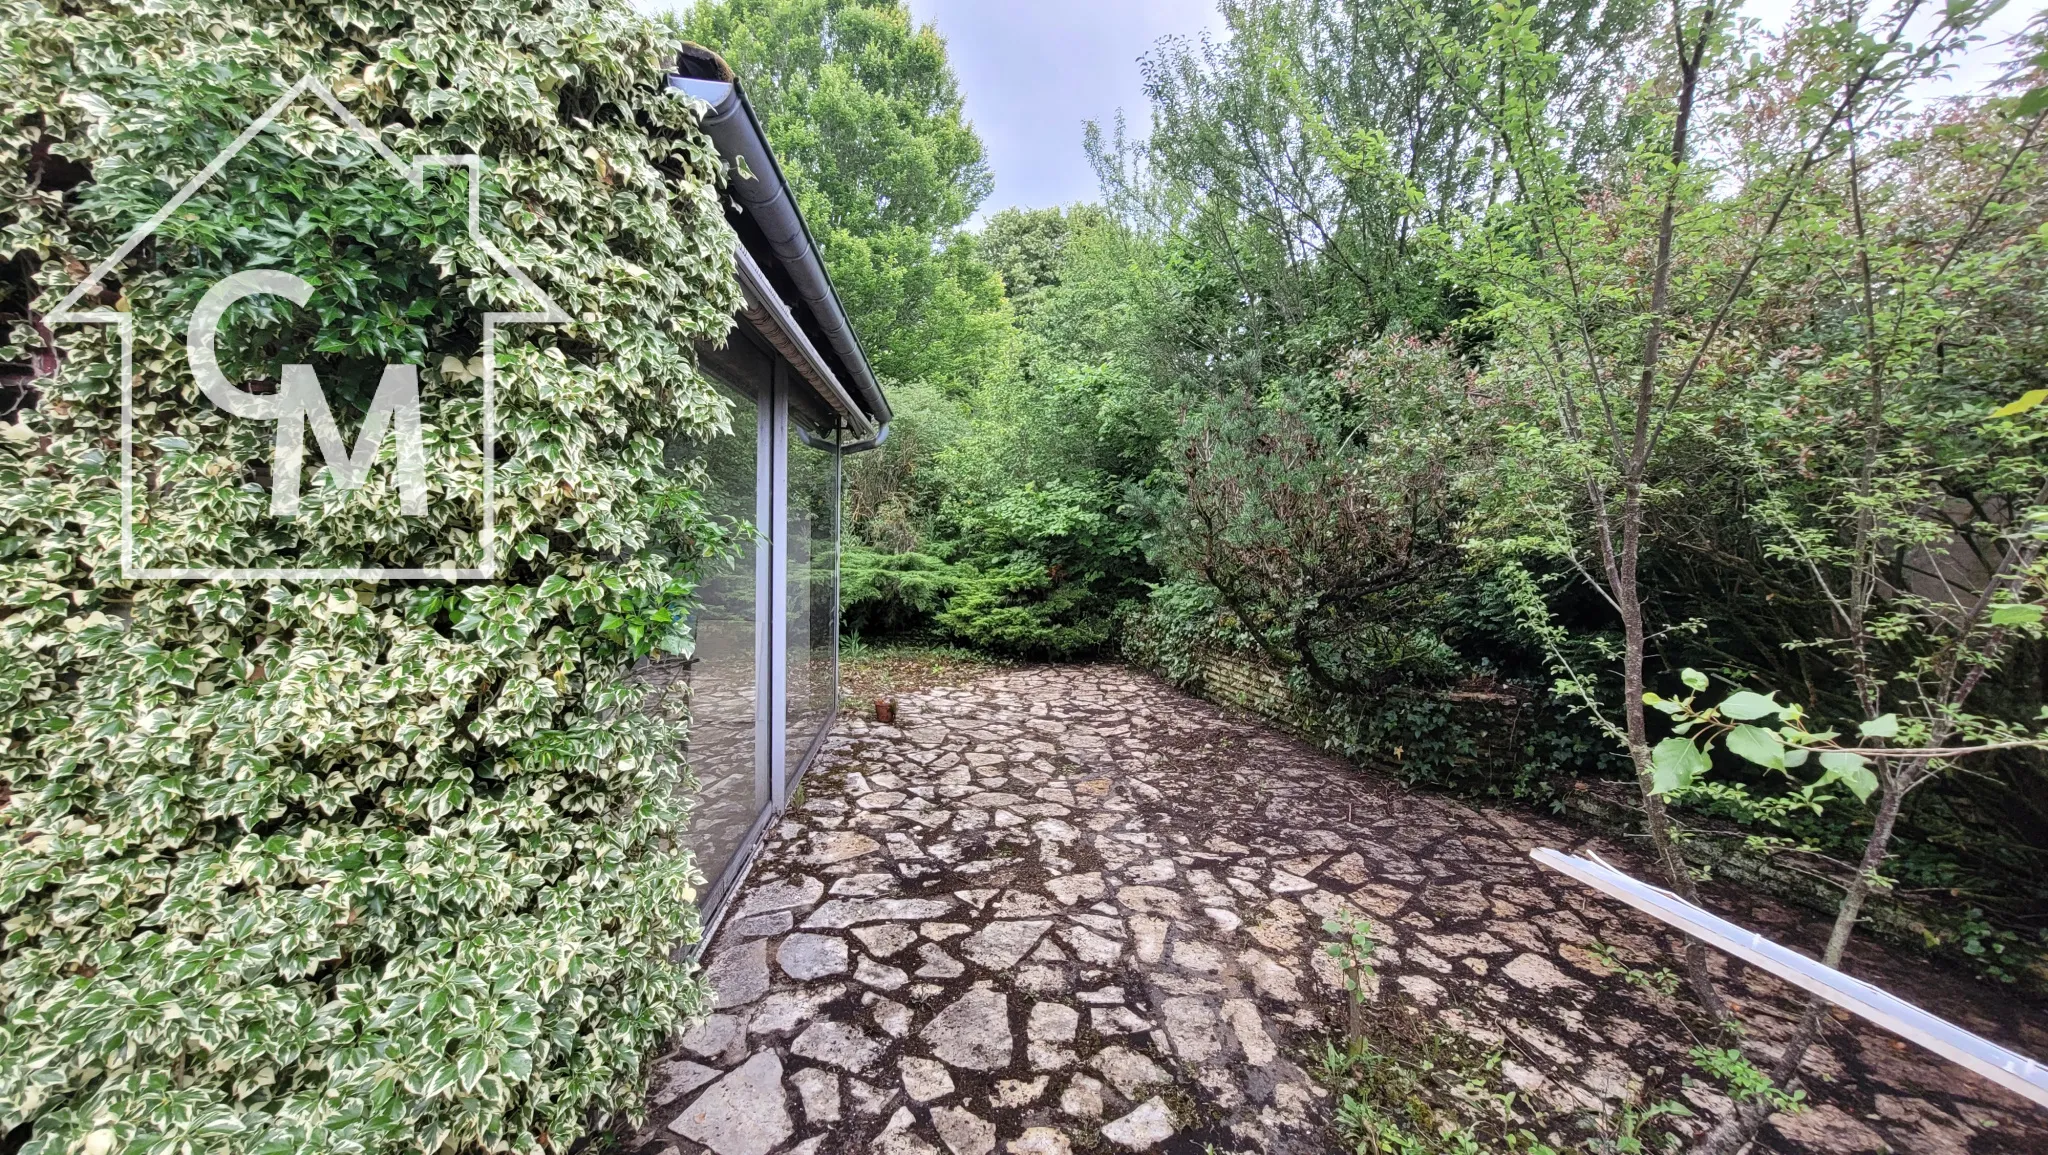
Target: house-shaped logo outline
x,y
413,173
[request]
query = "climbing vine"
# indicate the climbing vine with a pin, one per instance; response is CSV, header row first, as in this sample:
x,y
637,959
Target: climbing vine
x,y
346,865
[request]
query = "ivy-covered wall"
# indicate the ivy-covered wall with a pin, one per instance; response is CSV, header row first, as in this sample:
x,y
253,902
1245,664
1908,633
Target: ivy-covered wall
x,y
345,866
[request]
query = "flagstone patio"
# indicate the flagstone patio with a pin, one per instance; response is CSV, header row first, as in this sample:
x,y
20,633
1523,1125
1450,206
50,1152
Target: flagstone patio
x,y
1069,908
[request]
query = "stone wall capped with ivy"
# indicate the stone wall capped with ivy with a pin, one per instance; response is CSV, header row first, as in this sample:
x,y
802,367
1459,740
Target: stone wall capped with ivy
x,y
345,865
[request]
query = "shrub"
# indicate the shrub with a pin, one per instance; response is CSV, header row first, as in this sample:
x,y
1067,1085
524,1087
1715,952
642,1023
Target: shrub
x,y
348,866
882,594
1410,727
1049,568
1331,521
1020,608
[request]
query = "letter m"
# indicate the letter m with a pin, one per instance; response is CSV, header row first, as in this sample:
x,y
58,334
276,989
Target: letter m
x,y
303,404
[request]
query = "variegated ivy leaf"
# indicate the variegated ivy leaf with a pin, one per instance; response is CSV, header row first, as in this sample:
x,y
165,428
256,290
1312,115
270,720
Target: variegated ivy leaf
x,y
414,830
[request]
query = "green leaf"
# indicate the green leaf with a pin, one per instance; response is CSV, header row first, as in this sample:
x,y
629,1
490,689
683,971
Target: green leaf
x,y
1851,771
1674,764
2031,397
1693,678
1744,706
1757,745
470,1068
2033,104
1882,726
2016,615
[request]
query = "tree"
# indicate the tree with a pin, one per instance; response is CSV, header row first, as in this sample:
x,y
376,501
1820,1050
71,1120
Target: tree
x,y
1649,299
1619,288
1328,521
864,114
1027,248
1894,468
1300,159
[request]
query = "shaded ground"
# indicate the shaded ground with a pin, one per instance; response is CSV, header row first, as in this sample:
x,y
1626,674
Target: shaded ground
x,y
1072,909
888,670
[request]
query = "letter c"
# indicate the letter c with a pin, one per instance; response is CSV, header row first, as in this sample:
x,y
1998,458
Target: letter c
x,y
205,325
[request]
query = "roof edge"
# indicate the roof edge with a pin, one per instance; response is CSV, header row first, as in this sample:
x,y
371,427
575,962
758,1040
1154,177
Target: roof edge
x,y
761,191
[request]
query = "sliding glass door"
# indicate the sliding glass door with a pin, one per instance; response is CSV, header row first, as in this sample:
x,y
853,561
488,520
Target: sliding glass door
x,y
725,672
764,680
812,598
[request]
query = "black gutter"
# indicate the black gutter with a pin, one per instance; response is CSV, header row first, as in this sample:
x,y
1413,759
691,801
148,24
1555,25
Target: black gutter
x,y
763,196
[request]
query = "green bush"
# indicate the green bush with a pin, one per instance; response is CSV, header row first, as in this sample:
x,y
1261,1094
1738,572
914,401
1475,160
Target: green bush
x,y
1020,609
1049,568
885,594
348,866
1409,726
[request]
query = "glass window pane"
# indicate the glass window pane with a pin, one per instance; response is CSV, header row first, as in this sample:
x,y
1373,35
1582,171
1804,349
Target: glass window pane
x,y
813,623
730,791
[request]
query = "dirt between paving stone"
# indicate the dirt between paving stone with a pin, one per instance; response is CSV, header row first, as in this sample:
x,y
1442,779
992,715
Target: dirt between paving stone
x,y
1071,909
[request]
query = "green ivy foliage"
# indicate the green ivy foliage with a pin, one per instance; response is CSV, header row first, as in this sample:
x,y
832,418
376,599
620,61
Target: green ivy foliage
x,y
348,866
1411,728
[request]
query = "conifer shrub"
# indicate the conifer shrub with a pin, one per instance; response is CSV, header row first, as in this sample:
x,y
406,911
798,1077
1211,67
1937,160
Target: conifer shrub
x,y
371,866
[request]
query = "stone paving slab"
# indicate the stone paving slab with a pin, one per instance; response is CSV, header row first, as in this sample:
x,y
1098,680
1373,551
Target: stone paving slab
x,y
1072,909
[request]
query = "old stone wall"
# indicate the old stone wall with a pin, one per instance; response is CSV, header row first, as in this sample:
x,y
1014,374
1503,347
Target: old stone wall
x,y
1490,722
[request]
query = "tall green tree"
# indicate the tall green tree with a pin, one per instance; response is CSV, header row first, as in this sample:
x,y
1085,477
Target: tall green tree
x,y
1027,248
1300,158
864,113
1765,270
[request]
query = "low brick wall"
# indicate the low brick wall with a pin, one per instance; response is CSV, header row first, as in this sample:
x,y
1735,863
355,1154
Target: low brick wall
x,y
1494,721
1258,688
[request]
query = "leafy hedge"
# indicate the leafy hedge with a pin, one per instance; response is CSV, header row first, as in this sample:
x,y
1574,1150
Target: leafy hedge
x,y
1409,728
347,866
1036,573
885,594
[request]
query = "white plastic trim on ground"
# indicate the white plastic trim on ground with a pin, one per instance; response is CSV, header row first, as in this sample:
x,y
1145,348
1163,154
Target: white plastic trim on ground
x,y
2007,1068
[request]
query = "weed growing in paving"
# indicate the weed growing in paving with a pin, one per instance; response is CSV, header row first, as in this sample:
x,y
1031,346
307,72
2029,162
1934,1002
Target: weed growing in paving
x,y
1409,1090
1744,1081
1353,952
1663,980
1404,1088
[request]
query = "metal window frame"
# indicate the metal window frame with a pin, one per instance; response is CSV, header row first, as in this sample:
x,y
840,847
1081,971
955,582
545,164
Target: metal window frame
x,y
817,741
774,785
776,476
785,432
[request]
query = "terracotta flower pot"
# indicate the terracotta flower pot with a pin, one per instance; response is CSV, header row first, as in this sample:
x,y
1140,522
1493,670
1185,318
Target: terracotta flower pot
x,y
885,711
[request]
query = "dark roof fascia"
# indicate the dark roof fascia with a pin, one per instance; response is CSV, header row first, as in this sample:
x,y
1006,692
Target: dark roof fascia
x,y
773,231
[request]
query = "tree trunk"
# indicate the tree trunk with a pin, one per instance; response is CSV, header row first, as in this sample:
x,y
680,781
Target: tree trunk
x,y
1656,819
1738,1129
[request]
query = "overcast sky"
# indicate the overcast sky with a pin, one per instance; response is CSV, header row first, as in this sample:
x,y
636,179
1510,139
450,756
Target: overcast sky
x,y
1033,71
